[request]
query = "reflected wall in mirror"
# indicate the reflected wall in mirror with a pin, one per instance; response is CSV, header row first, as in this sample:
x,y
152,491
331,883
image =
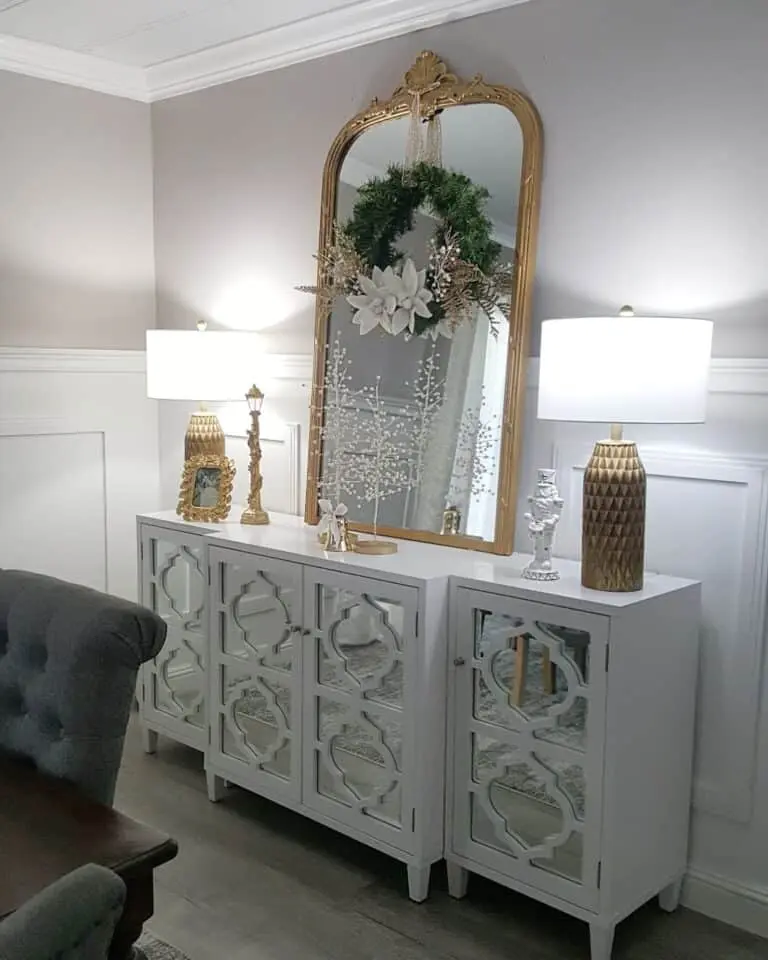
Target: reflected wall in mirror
x,y
426,262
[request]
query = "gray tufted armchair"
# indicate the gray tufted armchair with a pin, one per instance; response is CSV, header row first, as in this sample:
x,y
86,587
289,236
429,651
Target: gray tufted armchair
x,y
69,657
73,919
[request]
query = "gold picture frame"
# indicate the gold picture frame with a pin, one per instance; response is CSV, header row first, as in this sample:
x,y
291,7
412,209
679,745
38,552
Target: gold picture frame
x,y
202,474
431,85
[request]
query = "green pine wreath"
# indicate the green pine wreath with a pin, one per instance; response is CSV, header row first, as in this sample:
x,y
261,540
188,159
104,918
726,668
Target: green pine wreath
x,y
385,208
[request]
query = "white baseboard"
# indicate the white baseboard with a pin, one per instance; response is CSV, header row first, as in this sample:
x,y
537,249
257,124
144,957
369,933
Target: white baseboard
x,y
727,900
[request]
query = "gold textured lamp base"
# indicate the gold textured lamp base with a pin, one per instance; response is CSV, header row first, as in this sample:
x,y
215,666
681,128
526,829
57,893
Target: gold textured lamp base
x,y
204,436
613,518
254,517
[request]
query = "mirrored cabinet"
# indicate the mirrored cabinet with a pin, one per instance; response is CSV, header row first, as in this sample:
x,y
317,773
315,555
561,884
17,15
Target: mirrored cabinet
x,y
571,743
431,704
316,680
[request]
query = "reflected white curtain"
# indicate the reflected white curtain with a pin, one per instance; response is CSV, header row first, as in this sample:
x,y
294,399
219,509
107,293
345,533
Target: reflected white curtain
x,y
481,510
463,393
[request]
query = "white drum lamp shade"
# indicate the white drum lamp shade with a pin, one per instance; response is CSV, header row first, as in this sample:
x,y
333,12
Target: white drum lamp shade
x,y
624,369
201,365
618,370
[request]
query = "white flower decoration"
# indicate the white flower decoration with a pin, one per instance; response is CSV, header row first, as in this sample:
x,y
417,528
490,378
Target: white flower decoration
x,y
391,300
412,297
376,305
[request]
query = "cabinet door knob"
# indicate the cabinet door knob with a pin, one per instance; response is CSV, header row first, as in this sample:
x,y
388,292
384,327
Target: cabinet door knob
x,y
459,662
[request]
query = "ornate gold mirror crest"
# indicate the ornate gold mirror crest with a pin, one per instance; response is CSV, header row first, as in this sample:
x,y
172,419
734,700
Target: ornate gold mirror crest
x,y
425,269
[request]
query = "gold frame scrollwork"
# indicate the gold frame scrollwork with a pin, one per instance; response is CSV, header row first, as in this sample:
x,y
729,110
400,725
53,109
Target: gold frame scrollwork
x,y
186,508
430,86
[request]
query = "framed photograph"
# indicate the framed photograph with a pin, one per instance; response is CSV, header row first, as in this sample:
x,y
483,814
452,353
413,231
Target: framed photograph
x,y
206,488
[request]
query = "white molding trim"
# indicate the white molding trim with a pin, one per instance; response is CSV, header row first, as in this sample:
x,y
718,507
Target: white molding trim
x,y
282,366
744,376
46,62
726,375
738,904
350,26
52,360
739,376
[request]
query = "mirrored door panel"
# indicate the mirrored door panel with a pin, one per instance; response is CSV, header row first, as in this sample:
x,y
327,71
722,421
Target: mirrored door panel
x,y
174,586
529,702
357,653
255,668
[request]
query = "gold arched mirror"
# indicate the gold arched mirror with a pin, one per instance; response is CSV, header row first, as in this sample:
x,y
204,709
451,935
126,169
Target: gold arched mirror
x,y
426,260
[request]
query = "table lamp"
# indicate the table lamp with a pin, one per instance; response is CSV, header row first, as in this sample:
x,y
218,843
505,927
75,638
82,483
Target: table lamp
x,y
201,365
619,370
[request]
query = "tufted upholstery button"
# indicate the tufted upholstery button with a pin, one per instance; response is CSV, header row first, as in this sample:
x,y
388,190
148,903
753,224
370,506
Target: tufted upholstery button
x,y
36,656
11,700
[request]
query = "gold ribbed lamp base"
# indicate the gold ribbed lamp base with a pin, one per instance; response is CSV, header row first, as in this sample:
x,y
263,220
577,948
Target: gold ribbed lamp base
x,y
613,518
204,436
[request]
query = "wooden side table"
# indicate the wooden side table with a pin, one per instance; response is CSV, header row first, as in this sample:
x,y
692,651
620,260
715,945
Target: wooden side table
x,y
48,828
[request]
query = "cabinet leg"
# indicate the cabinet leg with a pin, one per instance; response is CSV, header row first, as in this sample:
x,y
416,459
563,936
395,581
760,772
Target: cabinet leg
x,y
418,882
458,878
148,739
217,786
669,898
601,940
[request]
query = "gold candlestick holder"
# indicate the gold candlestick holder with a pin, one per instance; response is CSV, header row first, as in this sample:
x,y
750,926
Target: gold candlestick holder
x,y
254,513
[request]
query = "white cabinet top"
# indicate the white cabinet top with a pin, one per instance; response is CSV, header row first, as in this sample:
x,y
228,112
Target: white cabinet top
x,y
287,536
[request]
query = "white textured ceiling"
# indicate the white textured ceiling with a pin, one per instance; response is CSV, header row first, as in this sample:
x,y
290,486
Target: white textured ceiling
x,y
149,49
143,33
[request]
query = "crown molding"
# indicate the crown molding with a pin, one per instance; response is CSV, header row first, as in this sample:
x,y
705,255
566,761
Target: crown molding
x,y
46,62
351,26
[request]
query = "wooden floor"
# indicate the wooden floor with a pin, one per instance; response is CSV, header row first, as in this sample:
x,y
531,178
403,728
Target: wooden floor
x,y
255,882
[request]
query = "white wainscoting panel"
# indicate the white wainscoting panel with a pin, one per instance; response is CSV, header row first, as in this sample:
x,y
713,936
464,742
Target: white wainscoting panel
x,y
52,478
79,436
706,519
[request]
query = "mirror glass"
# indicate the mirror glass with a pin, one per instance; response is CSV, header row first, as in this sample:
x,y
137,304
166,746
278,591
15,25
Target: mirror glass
x,y
430,408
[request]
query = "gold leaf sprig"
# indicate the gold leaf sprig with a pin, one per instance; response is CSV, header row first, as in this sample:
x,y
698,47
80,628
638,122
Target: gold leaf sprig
x,y
340,265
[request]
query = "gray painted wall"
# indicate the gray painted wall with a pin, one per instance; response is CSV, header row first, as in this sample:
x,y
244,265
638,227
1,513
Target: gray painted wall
x,y
76,245
655,137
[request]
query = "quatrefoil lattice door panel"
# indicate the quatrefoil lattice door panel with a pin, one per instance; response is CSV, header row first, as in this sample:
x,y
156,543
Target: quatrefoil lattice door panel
x,y
174,583
359,671
255,672
528,726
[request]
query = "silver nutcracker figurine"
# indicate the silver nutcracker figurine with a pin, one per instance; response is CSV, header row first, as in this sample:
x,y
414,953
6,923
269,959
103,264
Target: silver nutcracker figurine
x,y
543,517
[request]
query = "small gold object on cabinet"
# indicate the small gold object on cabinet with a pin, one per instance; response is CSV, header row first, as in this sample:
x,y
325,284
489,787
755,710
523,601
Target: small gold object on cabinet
x,y
254,513
206,488
375,548
451,522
